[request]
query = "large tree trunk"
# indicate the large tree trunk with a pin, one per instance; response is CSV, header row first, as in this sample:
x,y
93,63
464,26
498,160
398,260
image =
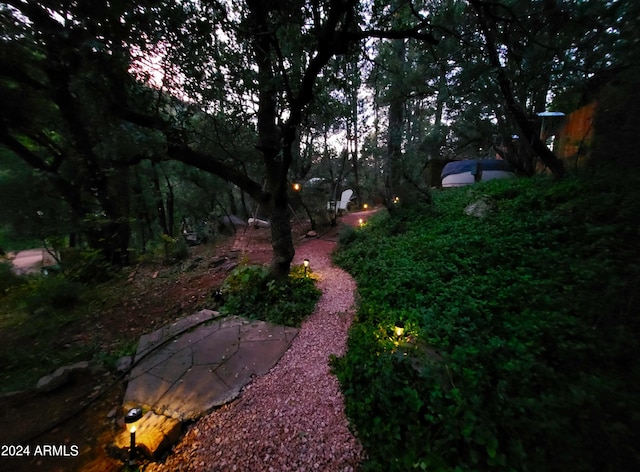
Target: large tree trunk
x,y
393,176
277,158
280,216
115,233
160,209
281,240
394,149
354,147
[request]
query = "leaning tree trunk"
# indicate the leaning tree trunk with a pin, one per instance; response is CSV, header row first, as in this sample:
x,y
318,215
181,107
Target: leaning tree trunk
x,y
547,156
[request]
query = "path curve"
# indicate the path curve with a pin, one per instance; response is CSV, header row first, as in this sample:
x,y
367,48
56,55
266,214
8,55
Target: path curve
x,y
291,419
31,261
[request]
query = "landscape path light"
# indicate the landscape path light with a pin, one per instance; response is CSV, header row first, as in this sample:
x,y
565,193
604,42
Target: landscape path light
x,y
306,266
131,420
399,328
297,187
552,116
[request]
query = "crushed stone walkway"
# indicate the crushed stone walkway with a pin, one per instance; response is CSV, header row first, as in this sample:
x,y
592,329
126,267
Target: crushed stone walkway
x,y
292,418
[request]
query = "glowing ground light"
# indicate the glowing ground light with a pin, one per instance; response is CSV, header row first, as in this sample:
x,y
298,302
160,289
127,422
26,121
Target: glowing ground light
x,y
130,420
399,329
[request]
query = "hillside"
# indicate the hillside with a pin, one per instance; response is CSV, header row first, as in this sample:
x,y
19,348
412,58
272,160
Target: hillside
x,y
521,331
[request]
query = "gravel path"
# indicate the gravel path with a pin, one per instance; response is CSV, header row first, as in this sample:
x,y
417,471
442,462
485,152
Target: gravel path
x,y
291,419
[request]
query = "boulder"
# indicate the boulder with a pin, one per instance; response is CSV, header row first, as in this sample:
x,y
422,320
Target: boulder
x,y
258,223
479,209
217,262
124,363
60,377
232,220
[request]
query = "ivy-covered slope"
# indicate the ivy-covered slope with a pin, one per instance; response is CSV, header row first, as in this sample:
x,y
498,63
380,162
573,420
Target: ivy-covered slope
x,y
521,332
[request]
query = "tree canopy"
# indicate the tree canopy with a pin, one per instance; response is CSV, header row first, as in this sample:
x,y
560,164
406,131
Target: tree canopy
x,y
98,96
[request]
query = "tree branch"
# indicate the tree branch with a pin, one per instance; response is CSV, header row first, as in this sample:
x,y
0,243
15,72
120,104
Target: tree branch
x,y
208,163
411,33
23,152
179,150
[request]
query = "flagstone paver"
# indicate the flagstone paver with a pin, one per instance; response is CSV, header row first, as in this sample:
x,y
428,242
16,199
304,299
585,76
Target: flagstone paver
x,y
188,368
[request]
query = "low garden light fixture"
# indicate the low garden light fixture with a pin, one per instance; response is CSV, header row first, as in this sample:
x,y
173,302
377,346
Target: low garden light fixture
x,y
365,206
296,187
131,420
361,222
399,328
305,263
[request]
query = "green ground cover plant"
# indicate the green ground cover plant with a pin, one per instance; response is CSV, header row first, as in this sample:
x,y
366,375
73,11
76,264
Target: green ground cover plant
x,y
249,291
521,330
34,310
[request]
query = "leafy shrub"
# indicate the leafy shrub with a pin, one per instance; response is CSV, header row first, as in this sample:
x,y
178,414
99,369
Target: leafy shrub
x,y
175,249
526,309
85,265
250,291
52,293
347,235
8,278
111,357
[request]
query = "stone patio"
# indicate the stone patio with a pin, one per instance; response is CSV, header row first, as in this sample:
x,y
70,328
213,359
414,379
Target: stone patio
x,y
184,370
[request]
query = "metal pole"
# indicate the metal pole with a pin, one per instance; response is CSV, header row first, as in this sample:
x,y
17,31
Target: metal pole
x,y
132,448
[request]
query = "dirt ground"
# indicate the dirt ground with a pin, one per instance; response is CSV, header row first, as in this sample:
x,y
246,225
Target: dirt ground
x,y
80,418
